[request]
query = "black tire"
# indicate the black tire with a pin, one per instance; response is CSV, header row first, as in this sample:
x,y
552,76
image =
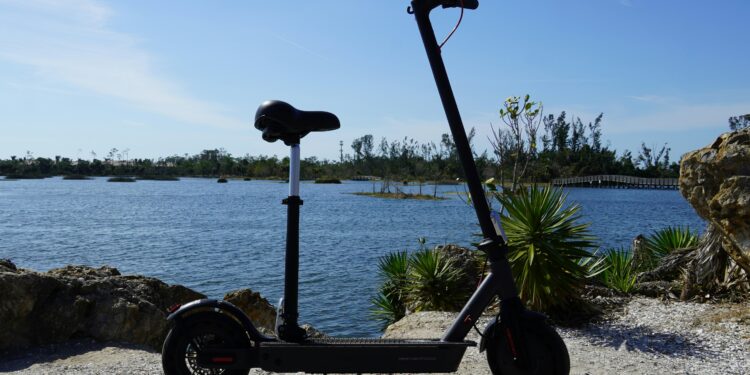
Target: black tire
x,y
201,330
546,349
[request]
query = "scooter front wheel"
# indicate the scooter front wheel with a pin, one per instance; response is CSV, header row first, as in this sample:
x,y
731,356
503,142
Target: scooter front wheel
x,y
547,353
195,333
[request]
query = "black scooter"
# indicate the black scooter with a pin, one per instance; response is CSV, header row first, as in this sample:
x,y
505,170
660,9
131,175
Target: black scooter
x,y
215,337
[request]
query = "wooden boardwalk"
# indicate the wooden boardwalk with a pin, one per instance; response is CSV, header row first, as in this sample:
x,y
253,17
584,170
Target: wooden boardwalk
x,y
617,182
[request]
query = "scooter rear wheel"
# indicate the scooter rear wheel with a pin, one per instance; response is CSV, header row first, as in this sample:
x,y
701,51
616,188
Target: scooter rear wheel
x,y
546,351
201,331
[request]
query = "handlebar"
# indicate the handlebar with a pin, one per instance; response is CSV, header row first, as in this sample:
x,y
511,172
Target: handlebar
x,y
467,4
428,5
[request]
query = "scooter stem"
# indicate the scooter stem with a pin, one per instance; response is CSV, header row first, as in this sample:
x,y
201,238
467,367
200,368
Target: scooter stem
x,y
421,11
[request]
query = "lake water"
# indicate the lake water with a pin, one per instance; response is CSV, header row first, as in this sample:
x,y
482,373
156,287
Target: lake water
x,y
220,237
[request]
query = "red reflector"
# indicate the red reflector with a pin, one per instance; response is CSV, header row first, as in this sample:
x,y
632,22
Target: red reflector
x,y
511,343
173,308
222,359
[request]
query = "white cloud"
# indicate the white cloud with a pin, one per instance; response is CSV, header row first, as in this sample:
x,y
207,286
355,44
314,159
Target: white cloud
x,y
68,41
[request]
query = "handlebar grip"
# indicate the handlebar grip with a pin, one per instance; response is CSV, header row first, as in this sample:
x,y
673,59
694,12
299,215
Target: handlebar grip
x,y
468,4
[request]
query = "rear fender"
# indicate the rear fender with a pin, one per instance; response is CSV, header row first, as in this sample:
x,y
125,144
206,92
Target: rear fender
x,y
495,326
219,307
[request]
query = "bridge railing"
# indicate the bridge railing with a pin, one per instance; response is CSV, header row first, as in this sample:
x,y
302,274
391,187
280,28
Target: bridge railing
x,y
618,181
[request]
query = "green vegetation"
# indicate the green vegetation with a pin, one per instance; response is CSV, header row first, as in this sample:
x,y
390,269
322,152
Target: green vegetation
x,y
739,122
426,280
525,151
619,273
390,302
661,243
547,245
401,195
327,180
433,282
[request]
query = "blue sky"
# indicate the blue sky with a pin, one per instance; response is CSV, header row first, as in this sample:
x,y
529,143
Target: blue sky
x,y
175,77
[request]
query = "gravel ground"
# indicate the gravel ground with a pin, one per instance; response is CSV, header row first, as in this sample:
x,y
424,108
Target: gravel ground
x,y
647,336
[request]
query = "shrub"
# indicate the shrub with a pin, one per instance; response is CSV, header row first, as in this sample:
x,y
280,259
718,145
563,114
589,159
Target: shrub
x,y
618,273
424,280
390,302
546,245
662,242
433,283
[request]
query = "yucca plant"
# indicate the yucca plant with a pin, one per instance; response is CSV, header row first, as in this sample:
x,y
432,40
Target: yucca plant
x,y
434,282
618,273
387,309
546,242
663,242
389,303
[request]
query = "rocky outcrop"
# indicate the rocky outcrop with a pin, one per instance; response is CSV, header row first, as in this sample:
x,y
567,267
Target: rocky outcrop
x,y
79,301
716,182
257,308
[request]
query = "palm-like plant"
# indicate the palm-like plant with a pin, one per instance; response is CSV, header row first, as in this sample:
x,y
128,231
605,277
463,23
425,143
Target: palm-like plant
x,y
546,245
389,303
664,241
433,282
619,273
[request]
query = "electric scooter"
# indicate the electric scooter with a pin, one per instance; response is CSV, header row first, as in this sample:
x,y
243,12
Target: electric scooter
x,y
215,337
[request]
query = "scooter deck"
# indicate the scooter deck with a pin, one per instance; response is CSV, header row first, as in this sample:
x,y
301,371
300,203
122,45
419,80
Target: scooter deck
x,y
358,355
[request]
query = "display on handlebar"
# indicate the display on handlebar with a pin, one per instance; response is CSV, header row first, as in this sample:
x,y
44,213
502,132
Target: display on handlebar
x,y
467,4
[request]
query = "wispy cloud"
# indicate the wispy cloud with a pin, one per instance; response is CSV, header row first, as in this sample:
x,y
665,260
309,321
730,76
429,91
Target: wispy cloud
x,y
70,42
298,46
652,98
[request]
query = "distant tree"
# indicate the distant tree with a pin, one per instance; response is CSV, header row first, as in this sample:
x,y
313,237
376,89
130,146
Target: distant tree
x,y
739,122
595,129
523,118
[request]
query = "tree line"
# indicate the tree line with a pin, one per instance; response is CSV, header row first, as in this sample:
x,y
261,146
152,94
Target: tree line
x,y
530,146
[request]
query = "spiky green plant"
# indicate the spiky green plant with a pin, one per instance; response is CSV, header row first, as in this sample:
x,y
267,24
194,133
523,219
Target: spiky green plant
x,y
663,242
594,264
390,302
619,273
387,309
546,242
433,282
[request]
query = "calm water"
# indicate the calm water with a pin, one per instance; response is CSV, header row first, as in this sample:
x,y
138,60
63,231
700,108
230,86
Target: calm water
x,y
219,237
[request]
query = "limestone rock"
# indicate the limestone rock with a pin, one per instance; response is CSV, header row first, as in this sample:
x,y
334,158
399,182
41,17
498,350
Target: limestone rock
x,y
80,301
716,182
257,308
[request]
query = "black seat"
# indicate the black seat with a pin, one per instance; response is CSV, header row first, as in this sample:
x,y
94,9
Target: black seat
x,y
279,120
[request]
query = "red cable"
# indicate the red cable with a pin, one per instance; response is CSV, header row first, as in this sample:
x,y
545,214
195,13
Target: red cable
x,y
455,28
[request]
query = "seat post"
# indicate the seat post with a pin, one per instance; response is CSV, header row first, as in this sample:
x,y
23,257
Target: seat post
x,y
289,329
294,170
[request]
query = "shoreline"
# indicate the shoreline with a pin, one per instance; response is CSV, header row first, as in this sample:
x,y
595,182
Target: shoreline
x,y
645,335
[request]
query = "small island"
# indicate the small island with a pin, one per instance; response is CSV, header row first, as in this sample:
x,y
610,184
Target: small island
x,y
121,179
401,195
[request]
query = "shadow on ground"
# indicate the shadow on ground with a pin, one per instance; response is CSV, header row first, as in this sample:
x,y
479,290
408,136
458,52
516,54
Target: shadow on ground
x,y
645,340
22,359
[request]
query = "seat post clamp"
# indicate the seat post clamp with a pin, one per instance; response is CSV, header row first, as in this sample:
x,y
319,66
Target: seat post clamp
x,y
292,200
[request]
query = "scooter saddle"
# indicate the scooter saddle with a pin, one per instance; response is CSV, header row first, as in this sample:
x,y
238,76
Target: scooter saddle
x,y
279,120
